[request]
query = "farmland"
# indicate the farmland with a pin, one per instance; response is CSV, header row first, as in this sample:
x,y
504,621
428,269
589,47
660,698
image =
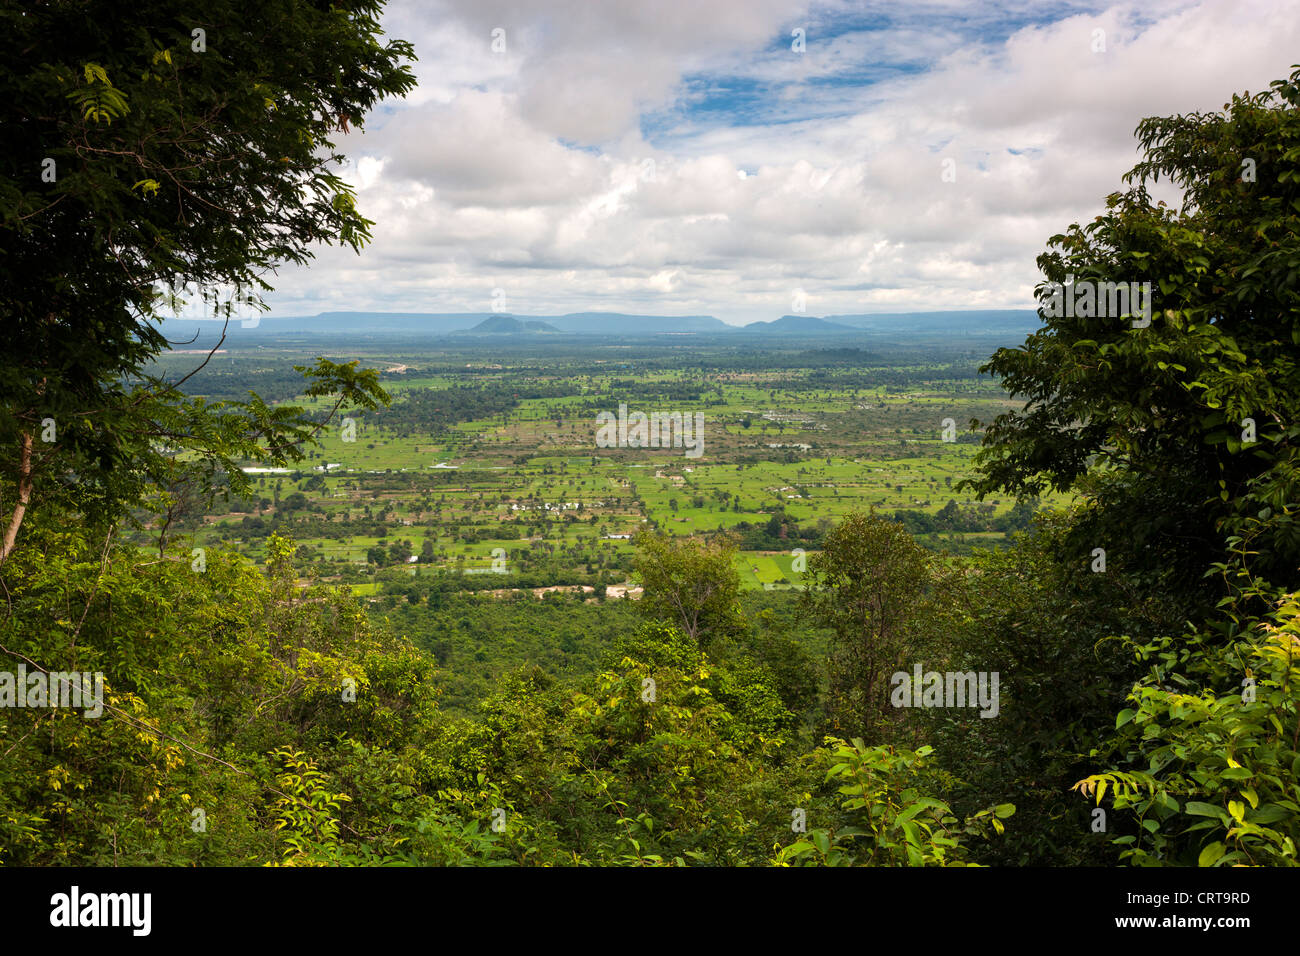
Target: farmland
x,y
480,515
490,471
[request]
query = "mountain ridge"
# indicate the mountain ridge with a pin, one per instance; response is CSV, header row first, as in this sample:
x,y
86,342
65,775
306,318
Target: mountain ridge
x,y
508,325
444,324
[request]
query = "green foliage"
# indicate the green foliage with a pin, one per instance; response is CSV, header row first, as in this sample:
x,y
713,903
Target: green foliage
x,y
1212,731
187,724
1046,625
1151,422
99,101
890,819
306,819
251,717
162,163
691,583
1180,437
871,585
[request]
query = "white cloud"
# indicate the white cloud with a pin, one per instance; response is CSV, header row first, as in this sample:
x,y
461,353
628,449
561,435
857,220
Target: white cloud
x,y
528,169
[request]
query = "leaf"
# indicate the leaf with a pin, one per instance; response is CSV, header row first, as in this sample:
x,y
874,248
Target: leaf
x,y
907,814
1269,813
801,848
910,833
1210,855
1197,809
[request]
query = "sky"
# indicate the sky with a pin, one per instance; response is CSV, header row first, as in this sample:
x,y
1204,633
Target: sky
x,y
753,158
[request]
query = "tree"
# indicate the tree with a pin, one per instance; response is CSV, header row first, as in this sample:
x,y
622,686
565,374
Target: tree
x,y
1045,623
884,790
870,586
949,516
1207,771
1179,436
1182,433
691,583
154,147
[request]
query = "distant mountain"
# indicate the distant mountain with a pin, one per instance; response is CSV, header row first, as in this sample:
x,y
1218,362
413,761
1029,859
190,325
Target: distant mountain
x,y
1000,323
437,324
507,325
620,323
799,325
963,322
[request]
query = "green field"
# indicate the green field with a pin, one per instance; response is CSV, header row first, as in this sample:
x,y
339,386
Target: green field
x,y
478,466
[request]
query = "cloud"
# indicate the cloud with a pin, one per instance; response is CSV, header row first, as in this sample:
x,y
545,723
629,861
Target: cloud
x,y
477,151
594,163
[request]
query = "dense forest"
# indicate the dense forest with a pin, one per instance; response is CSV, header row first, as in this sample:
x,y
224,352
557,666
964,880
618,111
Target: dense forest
x,y
1131,656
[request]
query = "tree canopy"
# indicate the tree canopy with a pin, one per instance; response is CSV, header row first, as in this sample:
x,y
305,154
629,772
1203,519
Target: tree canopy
x,y
1183,431
152,148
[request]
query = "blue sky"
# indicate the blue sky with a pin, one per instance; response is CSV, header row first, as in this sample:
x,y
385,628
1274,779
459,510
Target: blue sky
x,y
683,157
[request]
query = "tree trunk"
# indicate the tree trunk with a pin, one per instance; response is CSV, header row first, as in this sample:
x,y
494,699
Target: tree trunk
x,y
24,497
